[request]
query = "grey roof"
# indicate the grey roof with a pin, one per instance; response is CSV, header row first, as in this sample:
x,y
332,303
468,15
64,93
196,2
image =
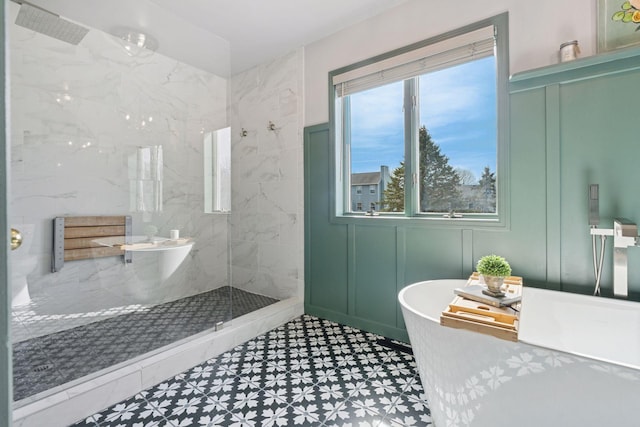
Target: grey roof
x,y
365,178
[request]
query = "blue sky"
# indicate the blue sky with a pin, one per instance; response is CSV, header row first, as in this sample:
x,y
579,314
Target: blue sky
x,y
456,105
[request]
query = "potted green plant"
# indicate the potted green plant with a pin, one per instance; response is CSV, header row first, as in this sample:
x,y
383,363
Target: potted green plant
x,y
494,269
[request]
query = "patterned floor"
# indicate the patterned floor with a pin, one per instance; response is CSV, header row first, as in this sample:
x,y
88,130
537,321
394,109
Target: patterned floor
x,y
51,360
308,372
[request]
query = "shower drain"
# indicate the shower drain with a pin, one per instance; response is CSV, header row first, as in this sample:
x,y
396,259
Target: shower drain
x,y
42,368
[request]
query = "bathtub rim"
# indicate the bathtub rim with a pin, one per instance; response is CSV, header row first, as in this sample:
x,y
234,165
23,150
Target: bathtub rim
x,y
443,294
450,285
532,336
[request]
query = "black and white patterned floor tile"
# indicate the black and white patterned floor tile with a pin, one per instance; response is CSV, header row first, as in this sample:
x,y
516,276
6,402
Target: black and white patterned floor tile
x,y
50,360
308,372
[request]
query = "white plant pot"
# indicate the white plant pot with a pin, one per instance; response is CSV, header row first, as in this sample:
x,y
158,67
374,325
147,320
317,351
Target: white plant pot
x,y
494,284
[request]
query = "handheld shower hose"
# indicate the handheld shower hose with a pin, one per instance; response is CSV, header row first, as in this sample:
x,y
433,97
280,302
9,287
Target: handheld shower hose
x,y
594,220
598,261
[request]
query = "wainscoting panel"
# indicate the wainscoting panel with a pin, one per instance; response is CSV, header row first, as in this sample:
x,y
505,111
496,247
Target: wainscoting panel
x,y
433,254
374,258
325,260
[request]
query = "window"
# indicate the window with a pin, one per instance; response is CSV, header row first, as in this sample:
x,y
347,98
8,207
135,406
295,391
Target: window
x,y
373,206
359,206
359,189
433,114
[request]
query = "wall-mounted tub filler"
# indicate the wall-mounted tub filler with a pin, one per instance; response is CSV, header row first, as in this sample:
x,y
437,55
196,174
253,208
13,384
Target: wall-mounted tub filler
x,y
625,234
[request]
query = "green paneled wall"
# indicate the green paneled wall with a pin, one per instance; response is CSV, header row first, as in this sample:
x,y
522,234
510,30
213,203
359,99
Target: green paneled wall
x,y
325,260
524,243
374,286
600,144
571,125
432,254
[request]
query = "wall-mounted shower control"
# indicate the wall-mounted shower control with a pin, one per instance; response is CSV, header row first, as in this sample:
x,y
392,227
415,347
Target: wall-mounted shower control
x,y
624,233
594,208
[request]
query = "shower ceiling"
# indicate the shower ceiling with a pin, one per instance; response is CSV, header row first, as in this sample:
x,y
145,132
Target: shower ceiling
x,y
205,33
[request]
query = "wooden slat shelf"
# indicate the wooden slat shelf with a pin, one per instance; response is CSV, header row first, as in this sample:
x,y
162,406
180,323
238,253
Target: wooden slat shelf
x,y
78,237
88,253
93,231
93,221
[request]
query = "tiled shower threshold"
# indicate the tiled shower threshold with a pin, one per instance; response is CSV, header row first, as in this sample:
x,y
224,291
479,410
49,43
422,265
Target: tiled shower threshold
x,y
65,404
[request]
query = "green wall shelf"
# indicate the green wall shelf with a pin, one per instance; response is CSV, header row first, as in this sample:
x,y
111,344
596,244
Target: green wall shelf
x,y
583,68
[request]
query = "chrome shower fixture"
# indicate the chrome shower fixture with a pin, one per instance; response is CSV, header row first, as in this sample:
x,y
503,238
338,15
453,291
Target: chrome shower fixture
x,y
625,235
49,24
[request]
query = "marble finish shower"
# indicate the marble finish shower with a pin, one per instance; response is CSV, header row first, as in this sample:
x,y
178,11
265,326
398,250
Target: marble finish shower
x,y
267,221
99,130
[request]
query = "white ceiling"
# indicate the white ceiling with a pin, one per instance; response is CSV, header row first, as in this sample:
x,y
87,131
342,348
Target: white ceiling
x,y
222,36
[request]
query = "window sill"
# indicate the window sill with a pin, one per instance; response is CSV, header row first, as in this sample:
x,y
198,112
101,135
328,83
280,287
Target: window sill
x,y
423,221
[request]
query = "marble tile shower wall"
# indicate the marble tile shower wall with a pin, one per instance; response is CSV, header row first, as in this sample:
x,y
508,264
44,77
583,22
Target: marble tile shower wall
x,y
78,115
267,178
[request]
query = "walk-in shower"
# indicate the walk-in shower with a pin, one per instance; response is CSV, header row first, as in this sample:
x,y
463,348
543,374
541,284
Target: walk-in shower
x,y
98,134
100,131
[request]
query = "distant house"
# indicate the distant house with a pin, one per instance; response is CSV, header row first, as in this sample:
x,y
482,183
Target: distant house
x,y
475,198
367,189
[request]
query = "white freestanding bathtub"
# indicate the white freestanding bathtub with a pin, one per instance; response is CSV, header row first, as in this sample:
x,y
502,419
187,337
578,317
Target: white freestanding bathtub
x,y
577,361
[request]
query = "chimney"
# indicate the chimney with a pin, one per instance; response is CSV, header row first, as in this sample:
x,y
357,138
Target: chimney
x,y
385,177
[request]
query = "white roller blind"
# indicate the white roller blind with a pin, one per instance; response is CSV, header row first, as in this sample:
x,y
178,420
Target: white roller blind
x,y
473,45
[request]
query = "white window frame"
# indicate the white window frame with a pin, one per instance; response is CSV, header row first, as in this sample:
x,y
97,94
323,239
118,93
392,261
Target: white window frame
x,y
367,74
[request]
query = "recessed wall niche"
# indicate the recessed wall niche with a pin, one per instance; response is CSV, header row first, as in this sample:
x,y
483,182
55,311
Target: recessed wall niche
x,y
217,171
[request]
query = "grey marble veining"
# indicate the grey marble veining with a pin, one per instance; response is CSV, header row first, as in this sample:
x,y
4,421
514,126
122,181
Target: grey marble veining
x,y
266,227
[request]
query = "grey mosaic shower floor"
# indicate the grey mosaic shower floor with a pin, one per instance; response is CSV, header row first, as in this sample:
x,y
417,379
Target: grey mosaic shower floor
x,y
308,372
51,360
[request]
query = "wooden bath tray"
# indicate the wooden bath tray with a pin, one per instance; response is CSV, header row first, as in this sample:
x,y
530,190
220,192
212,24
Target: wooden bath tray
x,y
500,322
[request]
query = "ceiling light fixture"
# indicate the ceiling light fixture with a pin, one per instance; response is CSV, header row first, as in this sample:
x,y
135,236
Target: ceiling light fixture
x,y
135,39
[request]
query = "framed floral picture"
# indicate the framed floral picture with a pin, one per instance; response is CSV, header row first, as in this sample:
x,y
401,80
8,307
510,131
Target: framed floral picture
x,y
618,24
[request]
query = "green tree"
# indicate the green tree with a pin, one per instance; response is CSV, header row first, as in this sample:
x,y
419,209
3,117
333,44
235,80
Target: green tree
x,y
439,182
394,193
488,189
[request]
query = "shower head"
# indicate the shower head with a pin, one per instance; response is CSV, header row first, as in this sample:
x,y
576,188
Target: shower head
x,y
50,24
